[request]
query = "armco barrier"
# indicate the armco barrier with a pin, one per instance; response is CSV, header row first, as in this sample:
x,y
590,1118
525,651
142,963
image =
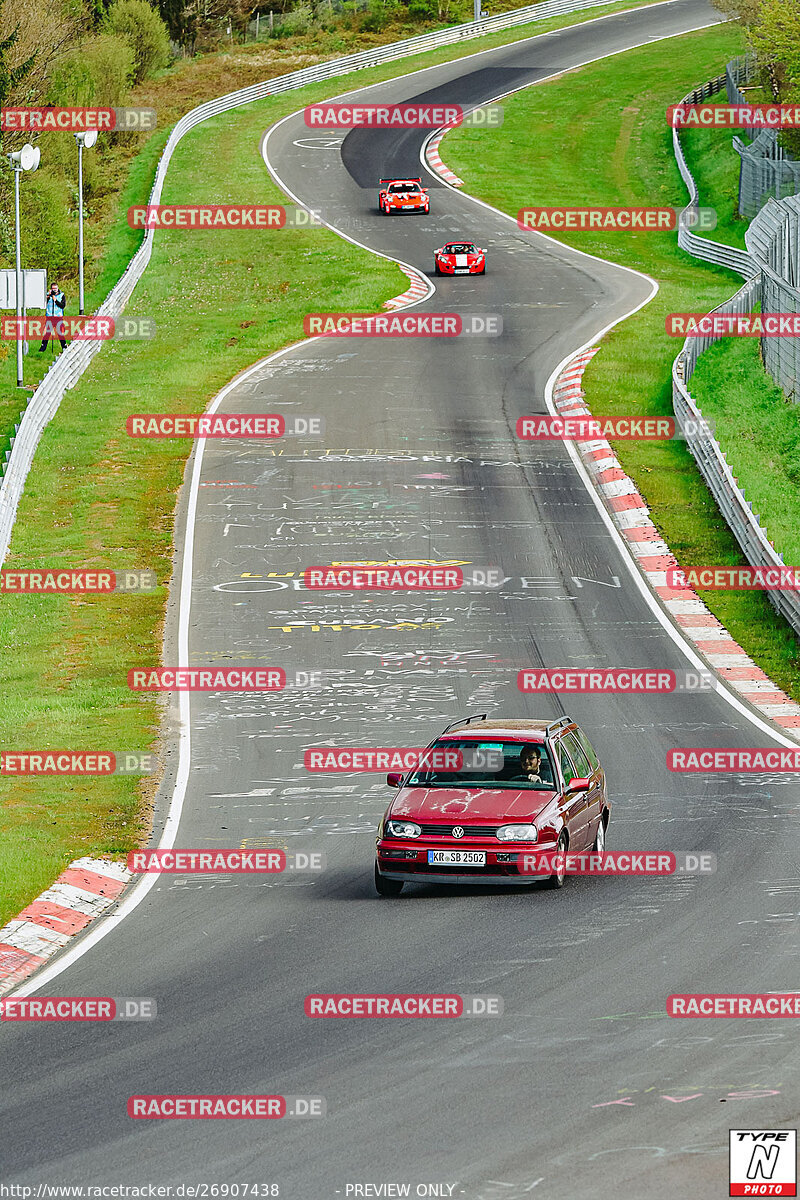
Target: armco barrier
x,y
713,465
72,363
699,247
761,242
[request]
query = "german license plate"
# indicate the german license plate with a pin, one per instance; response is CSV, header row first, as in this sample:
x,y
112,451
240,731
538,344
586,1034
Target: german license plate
x,y
457,858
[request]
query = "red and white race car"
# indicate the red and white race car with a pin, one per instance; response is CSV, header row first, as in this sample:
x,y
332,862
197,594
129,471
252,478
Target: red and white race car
x,y
403,195
459,258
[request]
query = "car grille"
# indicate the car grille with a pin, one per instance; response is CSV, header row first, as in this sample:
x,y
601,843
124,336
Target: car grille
x,y
469,830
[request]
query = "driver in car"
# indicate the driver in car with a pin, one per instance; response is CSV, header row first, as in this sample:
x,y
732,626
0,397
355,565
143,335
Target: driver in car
x,y
530,761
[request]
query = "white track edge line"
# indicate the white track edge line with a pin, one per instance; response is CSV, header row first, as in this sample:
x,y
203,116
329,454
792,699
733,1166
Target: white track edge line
x,y
140,890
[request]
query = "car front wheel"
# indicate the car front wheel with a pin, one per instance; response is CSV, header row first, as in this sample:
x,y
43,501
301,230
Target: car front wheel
x,y
387,887
556,880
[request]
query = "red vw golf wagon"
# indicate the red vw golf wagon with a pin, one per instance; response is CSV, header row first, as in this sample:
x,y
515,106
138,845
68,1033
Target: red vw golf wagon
x,y
511,788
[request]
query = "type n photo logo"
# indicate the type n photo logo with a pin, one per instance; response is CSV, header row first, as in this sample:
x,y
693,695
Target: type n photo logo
x,y
763,1162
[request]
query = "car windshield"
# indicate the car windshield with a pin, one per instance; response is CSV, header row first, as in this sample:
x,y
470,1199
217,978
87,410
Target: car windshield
x,y
486,764
459,248
404,187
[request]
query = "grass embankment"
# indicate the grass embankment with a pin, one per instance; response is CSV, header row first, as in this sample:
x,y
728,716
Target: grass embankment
x,y
96,499
611,114
759,429
714,165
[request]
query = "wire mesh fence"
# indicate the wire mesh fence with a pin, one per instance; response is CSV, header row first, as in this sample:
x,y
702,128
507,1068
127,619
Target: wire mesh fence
x,y
772,270
766,169
773,239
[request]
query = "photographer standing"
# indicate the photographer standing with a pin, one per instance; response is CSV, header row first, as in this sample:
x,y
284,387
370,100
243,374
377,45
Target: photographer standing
x,y
56,303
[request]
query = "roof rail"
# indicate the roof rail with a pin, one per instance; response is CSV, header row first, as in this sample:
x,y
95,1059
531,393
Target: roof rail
x,y
465,721
559,724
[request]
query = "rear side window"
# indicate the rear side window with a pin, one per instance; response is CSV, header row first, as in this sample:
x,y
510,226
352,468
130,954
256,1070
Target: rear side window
x,y
567,769
578,757
587,747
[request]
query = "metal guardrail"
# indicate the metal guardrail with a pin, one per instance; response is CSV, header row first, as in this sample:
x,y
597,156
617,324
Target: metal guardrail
x,y
770,244
73,361
714,467
699,247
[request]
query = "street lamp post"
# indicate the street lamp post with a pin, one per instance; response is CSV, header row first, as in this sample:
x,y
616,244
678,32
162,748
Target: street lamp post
x,y
26,159
87,139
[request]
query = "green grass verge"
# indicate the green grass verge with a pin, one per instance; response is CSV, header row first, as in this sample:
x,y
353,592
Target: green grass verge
x,y
759,429
611,115
756,424
714,165
97,499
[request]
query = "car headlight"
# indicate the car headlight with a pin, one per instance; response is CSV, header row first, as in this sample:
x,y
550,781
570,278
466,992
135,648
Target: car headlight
x,y
517,833
403,829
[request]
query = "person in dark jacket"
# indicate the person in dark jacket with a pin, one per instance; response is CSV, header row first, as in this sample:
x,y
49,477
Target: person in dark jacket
x,y
56,303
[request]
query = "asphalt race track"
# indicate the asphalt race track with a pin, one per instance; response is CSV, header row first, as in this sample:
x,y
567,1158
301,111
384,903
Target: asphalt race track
x,y
420,459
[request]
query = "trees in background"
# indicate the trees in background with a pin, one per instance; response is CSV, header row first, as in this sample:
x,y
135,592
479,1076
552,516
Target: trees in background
x,y
71,55
773,31
138,24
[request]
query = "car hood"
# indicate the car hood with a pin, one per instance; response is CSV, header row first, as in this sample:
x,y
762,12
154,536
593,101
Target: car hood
x,y
466,806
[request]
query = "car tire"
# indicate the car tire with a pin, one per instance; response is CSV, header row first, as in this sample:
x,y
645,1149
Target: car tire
x,y
483,270
600,837
556,880
387,887
436,270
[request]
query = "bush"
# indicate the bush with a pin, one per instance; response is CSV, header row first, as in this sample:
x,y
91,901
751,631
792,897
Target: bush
x,y
299,20
144,31
97,75
422,10
375,19
49,239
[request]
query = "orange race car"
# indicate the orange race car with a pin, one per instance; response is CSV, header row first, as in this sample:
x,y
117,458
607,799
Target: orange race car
x,y
402,195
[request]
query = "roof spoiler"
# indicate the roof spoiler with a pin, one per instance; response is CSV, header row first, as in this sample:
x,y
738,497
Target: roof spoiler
x,y
394,179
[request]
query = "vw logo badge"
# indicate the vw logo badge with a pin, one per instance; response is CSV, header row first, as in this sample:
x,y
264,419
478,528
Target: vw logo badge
x,y
458,831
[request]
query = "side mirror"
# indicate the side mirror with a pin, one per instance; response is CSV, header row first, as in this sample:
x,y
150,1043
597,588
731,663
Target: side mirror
x,y
579,785
393,779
